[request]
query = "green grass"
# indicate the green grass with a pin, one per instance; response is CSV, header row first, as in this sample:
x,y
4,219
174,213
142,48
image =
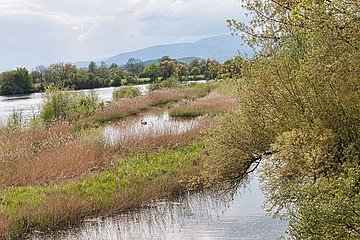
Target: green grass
x,y
133,182
99,120
190,113
162,102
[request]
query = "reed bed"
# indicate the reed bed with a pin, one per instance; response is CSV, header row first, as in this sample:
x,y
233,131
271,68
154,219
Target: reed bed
x,y
212,104
49,154
67,162
56,174
76,157
134,182
125,107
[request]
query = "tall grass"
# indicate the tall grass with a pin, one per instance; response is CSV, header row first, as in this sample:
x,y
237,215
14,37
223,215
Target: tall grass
x,y
133,182
55,154
49,154
212,104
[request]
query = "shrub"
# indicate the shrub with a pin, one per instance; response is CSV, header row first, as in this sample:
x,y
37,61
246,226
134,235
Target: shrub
x,y
126,92
66,105
171,82
15,121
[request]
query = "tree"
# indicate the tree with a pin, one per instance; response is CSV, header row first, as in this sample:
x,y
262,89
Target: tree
x,y
152,71
61,72
115,76
213,69
193,63
15,82
181,69
134,66
232,67
167,68
195,71
38,76
298,116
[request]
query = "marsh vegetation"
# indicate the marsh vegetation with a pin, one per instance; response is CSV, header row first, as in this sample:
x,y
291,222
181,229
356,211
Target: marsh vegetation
x,y
94,158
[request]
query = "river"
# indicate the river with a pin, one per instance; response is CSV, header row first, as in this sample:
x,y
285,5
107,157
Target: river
x,y
29,104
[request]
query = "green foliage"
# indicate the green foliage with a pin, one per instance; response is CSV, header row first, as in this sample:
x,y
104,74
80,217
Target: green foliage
x,y
190,113
195,71
335,198
96,76
63,105
126,92
152,71
299,110
15,82
135,67
15,121
171,82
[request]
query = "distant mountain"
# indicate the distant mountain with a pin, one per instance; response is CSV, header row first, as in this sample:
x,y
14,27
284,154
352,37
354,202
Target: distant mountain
x,y
220,48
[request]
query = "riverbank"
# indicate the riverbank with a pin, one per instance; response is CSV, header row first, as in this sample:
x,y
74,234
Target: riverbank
x,y
55,176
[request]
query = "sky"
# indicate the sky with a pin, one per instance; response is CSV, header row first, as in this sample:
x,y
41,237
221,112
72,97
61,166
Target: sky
x,y
41,32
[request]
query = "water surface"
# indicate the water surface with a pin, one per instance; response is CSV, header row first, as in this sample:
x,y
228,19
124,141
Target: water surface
x,y
154,124
29,104
197,216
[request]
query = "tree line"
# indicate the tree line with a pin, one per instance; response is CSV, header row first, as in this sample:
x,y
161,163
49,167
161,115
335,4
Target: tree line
x,y
67,75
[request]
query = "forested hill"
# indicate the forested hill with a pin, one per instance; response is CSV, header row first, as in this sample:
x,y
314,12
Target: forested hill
x,y
220,48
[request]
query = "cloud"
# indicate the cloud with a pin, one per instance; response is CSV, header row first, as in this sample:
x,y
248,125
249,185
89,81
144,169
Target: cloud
x,y
42,32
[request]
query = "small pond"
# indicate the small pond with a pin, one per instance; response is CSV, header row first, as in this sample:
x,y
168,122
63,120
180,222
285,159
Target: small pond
x,y
155,124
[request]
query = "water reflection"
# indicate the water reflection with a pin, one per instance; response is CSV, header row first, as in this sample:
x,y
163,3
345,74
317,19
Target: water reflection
x,y
194,216
153,124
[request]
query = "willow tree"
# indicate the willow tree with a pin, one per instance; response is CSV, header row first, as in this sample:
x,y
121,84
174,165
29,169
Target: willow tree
x,y
299,115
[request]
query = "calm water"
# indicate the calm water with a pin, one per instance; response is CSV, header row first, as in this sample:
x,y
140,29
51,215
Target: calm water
x,y
29,104
156,124
199,216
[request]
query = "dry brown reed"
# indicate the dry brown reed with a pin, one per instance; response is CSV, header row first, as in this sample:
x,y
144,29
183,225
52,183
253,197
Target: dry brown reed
x,y
141,103
52,154
69,161
214,102
125,105
4,226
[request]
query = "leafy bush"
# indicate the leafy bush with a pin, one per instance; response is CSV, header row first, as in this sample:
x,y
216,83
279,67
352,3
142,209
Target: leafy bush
x,y
126,92
15,82
15,121
67,105
171,82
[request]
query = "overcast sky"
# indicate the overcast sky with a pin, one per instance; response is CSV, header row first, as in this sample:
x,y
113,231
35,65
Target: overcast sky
x,y
34,32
